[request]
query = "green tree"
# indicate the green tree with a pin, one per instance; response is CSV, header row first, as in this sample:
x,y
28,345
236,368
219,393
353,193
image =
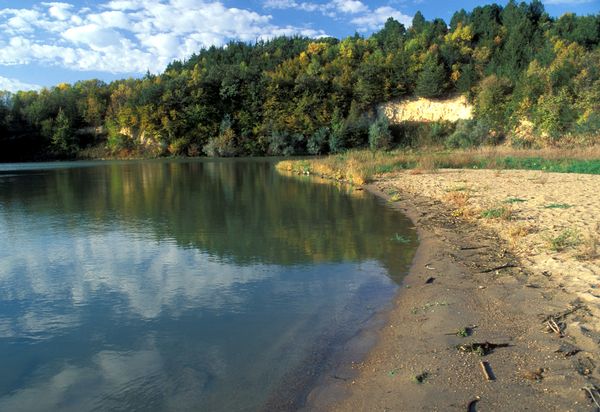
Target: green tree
x,y
62,134
430,82
380,136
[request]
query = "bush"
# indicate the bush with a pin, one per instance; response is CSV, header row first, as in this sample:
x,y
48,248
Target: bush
x,y
380,136
491,102
222,145
178,146
555,114
283,143
317,143
471,133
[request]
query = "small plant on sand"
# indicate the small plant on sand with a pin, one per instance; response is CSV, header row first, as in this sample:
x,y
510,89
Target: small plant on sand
x,y
501,212
590,247
463,332
458,199
421,377
395,197
511,200
557,206
567,238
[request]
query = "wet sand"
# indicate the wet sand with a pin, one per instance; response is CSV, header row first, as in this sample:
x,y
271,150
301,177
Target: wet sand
x,y
499,279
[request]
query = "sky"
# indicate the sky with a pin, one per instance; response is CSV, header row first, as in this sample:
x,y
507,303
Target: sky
x,y
44,43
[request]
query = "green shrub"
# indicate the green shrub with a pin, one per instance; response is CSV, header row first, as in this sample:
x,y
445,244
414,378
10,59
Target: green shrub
x,y
223,145
178,146
283,143
317,143
379,133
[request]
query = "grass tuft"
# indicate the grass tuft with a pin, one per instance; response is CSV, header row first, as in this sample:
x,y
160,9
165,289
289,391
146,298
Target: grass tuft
x,y
557,206
511,200
504,213
566,239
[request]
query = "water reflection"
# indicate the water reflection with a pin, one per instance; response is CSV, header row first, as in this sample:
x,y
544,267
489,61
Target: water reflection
x,y
179,285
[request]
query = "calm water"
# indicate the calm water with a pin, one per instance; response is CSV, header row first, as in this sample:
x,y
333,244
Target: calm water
x,y
182,285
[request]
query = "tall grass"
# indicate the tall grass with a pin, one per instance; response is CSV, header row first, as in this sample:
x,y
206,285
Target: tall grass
x,y
361,166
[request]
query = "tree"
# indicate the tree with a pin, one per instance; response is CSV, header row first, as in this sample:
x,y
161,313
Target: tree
x,y
62,134
379,133
430,82
491,103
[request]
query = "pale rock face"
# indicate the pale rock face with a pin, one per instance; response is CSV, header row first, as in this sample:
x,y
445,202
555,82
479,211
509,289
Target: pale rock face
x,y
427,110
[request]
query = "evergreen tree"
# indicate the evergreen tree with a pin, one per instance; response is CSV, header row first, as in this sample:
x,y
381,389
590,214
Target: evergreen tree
x,y
430,82
62,134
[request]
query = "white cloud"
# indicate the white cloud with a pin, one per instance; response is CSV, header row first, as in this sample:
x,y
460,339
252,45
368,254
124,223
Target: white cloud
x,y
59,11
125,36
331,9
377,18
363,17
350,6
92,35
566,1
14,85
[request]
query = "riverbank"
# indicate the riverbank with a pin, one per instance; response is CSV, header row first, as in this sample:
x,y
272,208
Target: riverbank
x,y
501,254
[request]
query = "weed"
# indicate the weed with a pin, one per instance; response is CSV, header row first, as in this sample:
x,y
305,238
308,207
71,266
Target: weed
x,y
567,238
511,200
463,332
421,377
590,250
458,199
502,212
557,206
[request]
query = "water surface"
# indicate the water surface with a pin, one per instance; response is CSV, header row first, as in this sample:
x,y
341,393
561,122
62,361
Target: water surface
x,y
182,285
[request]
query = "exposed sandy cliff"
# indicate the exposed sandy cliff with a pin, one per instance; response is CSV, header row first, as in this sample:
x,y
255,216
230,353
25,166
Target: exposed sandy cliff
x,y
426,110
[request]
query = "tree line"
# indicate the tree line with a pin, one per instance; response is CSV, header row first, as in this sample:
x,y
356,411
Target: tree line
x,y
533,80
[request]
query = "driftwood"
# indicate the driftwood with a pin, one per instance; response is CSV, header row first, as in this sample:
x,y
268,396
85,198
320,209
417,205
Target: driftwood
x,y
506,266
590,391
551,323
561,315
485,368
471,247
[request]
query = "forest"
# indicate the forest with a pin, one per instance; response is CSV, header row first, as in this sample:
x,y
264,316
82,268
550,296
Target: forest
x,y
533,80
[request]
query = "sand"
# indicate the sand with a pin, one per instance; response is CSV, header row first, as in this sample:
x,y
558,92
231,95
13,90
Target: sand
x,y
502,277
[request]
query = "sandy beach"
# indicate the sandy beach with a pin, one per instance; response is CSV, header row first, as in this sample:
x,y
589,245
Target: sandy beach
x,y
507,258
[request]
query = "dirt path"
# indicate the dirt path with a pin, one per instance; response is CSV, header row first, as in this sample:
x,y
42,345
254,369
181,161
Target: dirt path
x,y
470,273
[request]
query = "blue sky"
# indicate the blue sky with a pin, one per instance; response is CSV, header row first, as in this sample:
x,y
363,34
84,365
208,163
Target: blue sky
x,y
43,43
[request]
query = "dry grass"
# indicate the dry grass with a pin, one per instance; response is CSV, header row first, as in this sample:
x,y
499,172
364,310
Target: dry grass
x,y
516,232
362,166
457,199
590,245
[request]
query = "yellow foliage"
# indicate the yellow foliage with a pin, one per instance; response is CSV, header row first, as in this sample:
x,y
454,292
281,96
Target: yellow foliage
x,y
461,34
316,48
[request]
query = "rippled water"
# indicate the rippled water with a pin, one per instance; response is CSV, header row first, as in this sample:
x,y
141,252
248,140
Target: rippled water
x,y
182,285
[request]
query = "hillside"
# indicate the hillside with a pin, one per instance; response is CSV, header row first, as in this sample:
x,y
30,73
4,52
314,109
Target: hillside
x,y
516,64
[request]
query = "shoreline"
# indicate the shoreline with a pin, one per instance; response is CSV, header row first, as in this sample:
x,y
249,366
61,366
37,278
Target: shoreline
x,y
506,305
